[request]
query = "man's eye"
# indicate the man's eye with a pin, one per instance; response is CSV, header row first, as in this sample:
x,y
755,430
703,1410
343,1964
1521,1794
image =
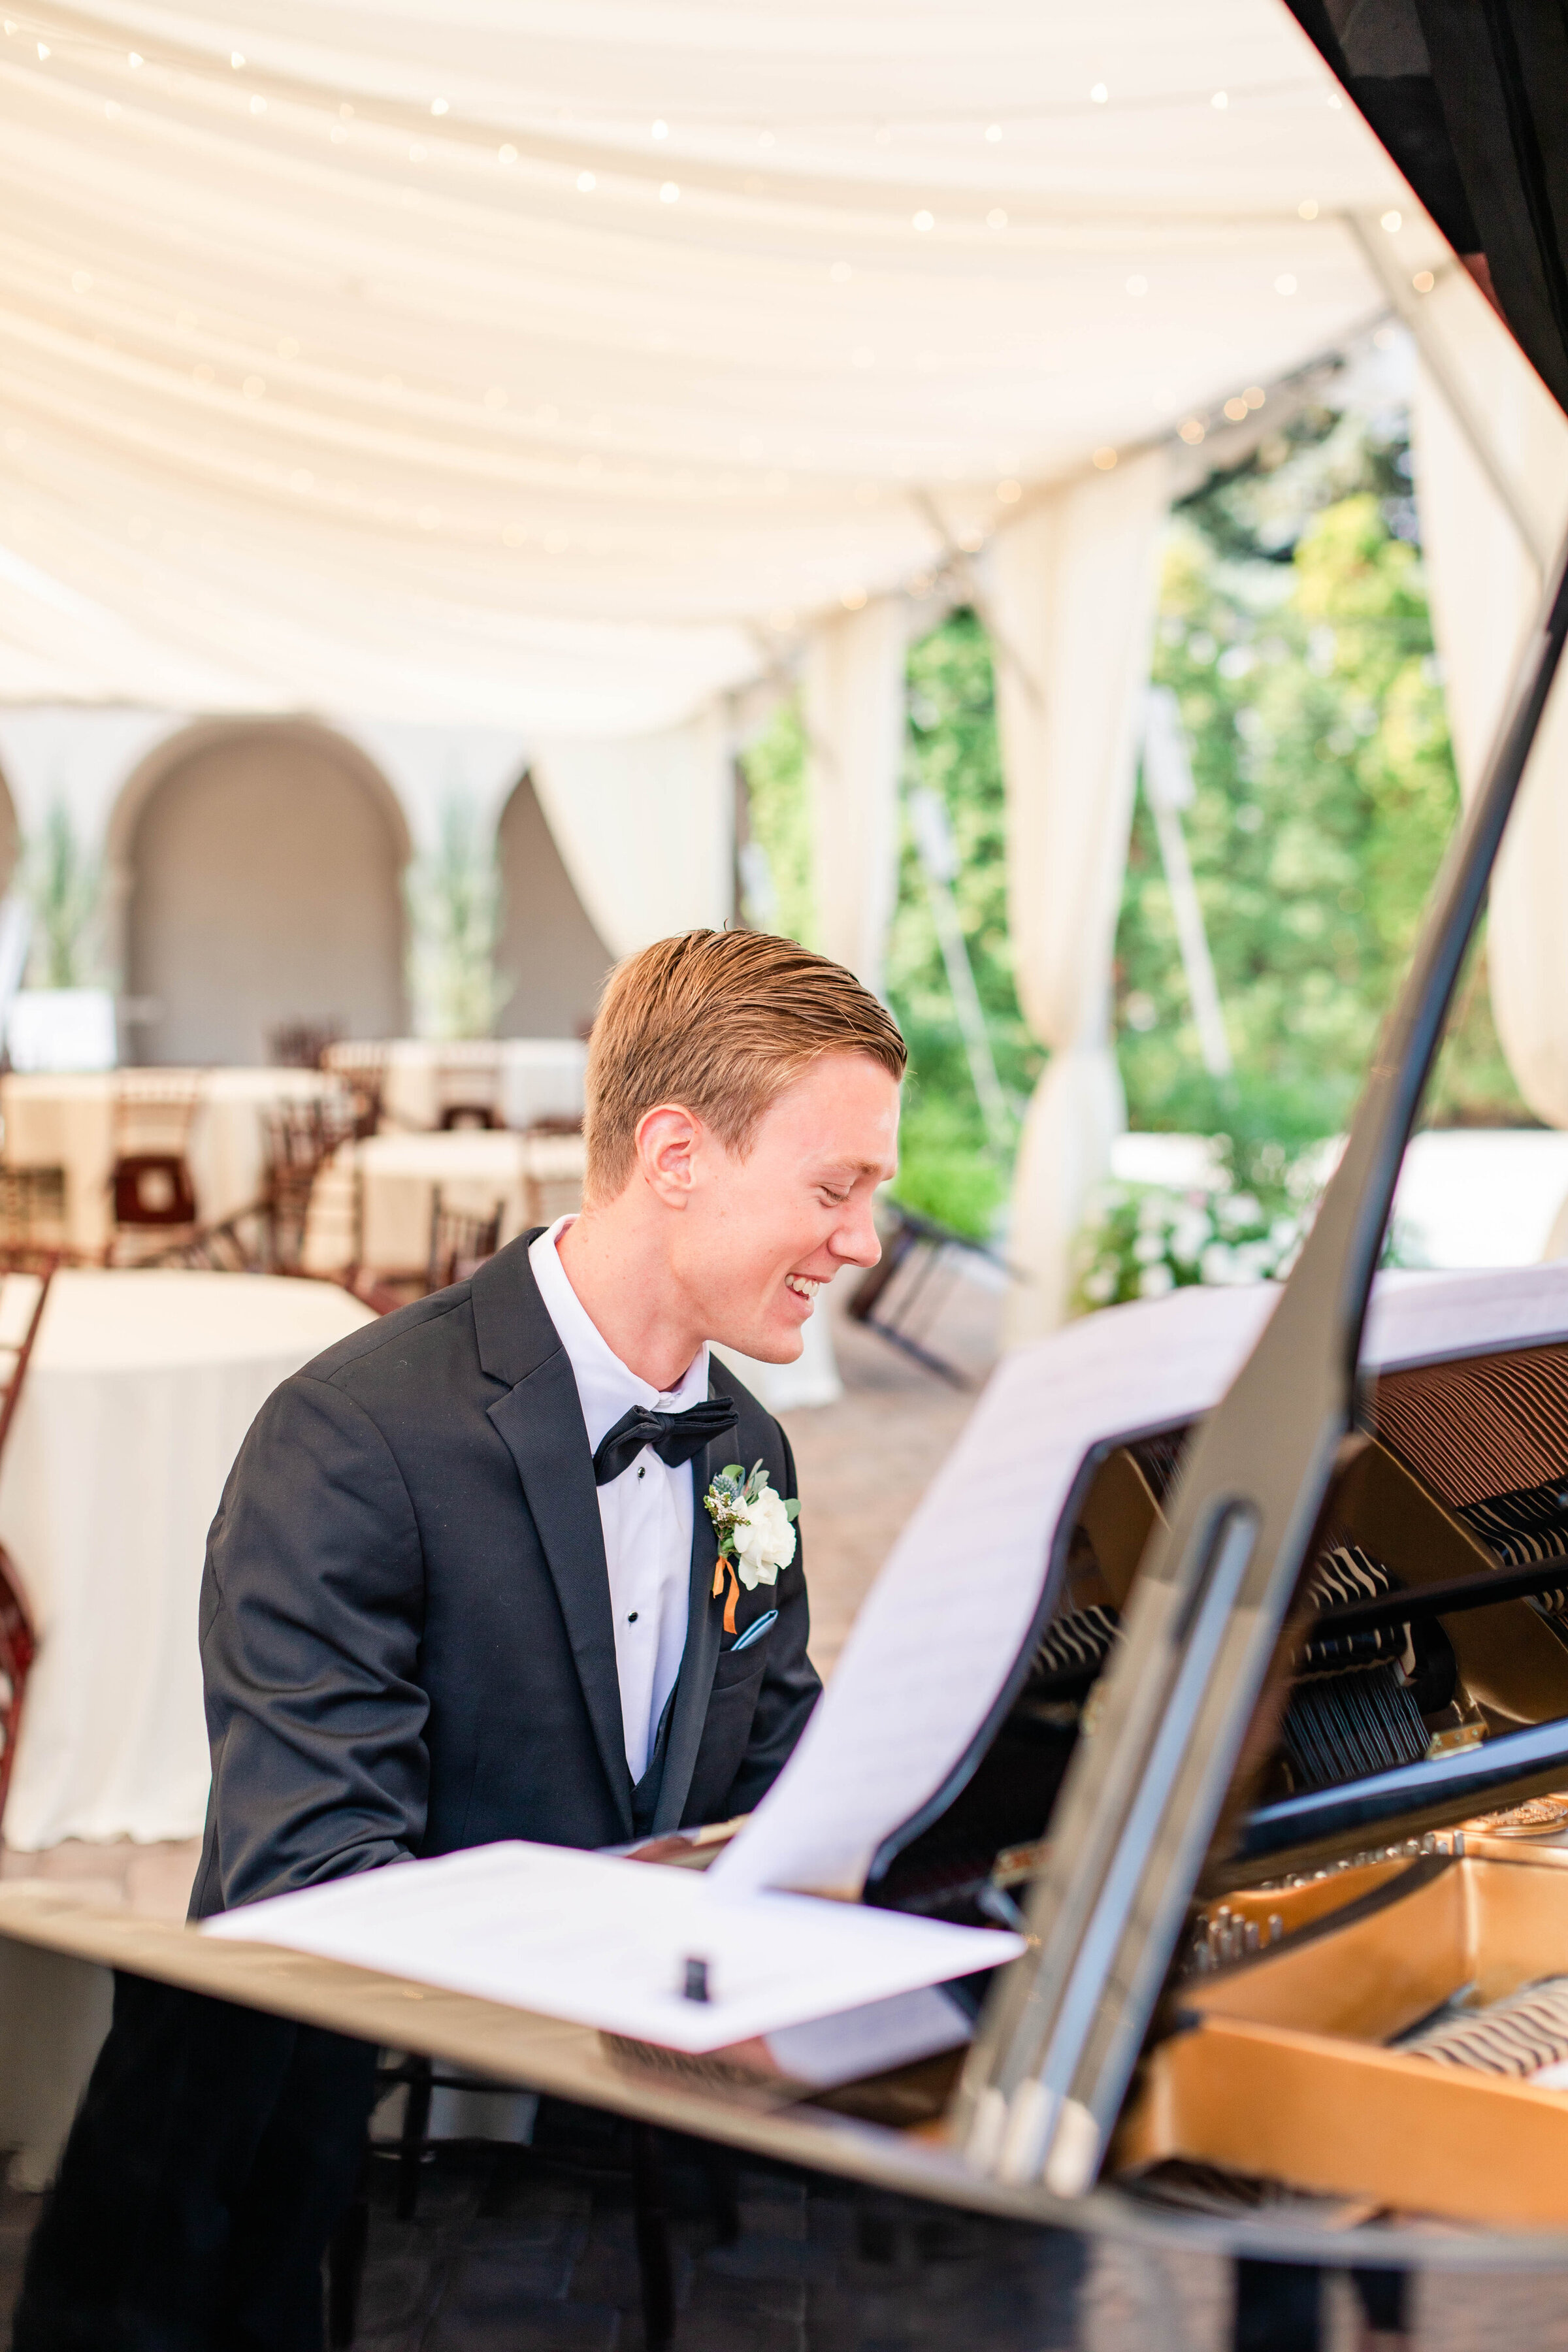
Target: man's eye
x,y
836,1199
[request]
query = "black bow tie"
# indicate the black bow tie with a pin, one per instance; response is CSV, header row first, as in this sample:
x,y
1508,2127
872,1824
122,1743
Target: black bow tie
x,y
675,1437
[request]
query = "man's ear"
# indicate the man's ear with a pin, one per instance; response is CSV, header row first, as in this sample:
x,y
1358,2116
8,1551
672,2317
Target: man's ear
x,y
667,1142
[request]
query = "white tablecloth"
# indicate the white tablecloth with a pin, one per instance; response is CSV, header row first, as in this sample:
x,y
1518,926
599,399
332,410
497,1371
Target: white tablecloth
x,y
141,1388
63,1121
475,1167
536,1077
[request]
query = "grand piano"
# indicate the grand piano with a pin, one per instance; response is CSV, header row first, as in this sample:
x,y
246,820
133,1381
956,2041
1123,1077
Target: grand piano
x,y
1276,1785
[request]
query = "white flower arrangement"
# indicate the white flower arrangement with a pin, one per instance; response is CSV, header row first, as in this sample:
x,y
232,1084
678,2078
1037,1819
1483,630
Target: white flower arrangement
x,y
1143,1240
755,1528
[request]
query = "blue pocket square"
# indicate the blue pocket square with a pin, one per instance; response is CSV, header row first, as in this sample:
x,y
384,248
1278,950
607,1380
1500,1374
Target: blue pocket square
x,y
755,1630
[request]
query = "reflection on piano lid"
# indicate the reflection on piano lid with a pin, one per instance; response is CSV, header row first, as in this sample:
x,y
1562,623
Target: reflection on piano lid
x,y
1419,1694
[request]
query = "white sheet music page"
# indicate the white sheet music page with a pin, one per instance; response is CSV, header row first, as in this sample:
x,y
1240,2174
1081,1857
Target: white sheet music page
x,y
605,1942
942,1627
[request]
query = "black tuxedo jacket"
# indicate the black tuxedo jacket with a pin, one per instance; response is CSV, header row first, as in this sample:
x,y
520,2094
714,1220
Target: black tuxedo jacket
x,y
405,1616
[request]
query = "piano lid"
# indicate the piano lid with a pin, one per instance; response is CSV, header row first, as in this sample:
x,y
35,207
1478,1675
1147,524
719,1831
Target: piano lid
x,y
1202,1639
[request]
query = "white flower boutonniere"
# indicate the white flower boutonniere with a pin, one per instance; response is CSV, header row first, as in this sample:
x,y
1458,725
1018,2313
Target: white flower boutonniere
x,y
755,1528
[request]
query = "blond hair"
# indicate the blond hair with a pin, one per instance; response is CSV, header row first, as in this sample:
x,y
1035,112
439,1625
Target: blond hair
x,y
720,1022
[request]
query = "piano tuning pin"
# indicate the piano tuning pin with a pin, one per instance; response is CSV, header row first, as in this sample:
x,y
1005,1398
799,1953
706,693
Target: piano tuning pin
x,y
1276,1929
1252,1938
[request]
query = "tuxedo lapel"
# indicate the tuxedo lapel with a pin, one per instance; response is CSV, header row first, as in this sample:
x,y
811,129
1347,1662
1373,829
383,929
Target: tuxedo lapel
x,y
540,1418
694,1684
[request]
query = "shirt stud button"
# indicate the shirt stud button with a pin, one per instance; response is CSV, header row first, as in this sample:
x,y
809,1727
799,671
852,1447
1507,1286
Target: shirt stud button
x,y
643,1470
633,1618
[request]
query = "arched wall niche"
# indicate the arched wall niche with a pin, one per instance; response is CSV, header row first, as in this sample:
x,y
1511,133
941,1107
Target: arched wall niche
x,y
253,878
551,957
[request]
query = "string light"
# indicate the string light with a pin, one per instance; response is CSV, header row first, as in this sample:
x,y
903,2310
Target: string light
x,y
1255,395
254,387
852,599
1008,493
1285,285
669,194
993,134
43,51
586,183
923,221
1220,101
82,281
996,218
507,156
1424,281
1192,432
1393,223
135,60
1307,208
1105,459
1236,409
258,106
237,60
660,131
1100,95
438,106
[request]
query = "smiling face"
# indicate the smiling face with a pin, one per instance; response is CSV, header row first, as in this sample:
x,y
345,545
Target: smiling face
x,y
761,1232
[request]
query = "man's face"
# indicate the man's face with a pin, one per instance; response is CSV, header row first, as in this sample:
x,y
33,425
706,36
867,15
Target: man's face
x,y
760,1233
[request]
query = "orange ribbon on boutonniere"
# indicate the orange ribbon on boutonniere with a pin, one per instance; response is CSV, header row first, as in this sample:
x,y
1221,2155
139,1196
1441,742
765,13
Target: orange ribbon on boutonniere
x,y
756,1530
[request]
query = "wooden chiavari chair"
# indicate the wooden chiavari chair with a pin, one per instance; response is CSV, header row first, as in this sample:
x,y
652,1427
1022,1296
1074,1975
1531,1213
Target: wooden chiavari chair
x,y
150,1184
23,1293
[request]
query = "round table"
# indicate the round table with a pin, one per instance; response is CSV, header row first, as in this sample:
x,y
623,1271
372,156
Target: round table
x,y
526,1078
531,1178
67,1120
141,1386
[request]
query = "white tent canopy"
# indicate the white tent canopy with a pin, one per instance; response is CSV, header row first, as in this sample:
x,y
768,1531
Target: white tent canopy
x,y
551,366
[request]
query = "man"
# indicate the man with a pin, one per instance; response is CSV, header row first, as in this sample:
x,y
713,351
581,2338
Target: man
x,y
461,1587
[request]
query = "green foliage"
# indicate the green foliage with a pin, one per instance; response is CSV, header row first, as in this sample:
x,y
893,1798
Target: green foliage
x,y
62,885
774,764
454,899
1325,794
947,1168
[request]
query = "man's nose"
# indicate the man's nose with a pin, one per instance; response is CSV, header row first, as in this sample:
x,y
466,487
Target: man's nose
x,y
857,1241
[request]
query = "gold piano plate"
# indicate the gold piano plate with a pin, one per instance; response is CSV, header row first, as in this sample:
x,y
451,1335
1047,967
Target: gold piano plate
x,y
1280,2068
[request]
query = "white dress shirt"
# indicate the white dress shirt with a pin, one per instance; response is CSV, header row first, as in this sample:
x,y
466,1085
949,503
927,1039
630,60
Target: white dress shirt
x,y
646,1513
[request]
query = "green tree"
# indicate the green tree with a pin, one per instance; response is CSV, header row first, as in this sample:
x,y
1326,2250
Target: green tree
x,y
1324,795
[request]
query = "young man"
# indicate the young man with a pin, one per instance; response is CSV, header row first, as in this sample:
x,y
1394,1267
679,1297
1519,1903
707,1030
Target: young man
x,y
461,1587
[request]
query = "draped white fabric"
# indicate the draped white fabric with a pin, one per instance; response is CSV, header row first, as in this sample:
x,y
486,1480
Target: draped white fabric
x,y
1071,604
1484,589
645,825
854,706
503,364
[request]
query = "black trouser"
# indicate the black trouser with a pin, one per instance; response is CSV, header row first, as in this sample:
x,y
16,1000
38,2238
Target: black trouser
x,y
214,2150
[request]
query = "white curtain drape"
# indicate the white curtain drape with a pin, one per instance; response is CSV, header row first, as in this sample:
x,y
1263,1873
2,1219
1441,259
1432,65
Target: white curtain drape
x,y
854,705
1485,587
1071,591
644,825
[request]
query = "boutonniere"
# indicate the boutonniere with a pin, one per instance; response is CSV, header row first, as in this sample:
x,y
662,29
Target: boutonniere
x,y
755,1528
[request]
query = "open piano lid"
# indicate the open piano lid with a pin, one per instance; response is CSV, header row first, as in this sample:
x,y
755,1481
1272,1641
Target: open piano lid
x,y
1205,1635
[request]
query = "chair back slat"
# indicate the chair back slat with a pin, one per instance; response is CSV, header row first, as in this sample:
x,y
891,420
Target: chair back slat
x,y
20,1316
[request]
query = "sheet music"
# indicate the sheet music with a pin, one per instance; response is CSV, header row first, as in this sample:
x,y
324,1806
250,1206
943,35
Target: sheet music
x,y
944,1621
942,1625
603,1942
